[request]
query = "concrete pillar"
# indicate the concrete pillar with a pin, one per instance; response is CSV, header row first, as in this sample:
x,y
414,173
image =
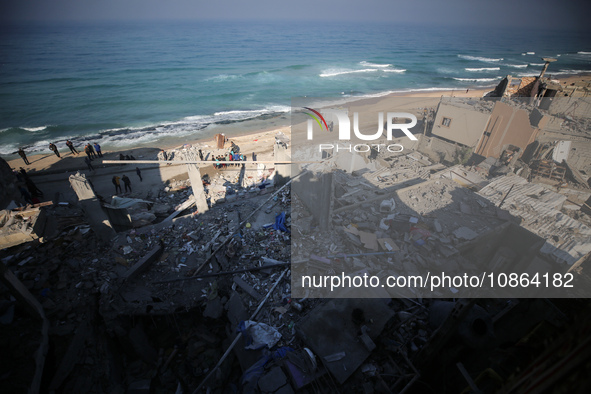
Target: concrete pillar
x,y
316,191
282,152
197,185
97,218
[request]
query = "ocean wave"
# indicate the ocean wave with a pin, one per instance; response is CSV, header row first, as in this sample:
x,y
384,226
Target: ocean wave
x,y
516,65
481,59
394,70
368,64
128,137
297,66
483,69
536,64
34,129
530,53
249,114
334,73
571,72
222,78
582,53
477,79
528,74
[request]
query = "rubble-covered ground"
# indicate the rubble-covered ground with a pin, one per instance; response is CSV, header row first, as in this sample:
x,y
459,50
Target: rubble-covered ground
x,y
158,308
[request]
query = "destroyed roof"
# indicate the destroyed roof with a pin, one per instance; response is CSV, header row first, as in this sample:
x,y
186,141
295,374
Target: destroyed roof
x,y
552,85
567,240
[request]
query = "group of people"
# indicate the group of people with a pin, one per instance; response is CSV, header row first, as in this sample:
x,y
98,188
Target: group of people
x,y
91,150
117,182
126,181
229,159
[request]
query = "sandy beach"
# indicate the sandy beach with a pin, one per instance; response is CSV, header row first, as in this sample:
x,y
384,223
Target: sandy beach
x,y
51,173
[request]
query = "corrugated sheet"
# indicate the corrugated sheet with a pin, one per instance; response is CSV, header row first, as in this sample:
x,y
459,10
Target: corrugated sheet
x,y
566,238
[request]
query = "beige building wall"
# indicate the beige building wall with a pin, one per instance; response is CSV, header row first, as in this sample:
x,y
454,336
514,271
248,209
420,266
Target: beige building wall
x,y
507,126
459,124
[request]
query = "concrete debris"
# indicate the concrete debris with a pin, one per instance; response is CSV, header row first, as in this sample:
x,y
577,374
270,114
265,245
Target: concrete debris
x,y
185,283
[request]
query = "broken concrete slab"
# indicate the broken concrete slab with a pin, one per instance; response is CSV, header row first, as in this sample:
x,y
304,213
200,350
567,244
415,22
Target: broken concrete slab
x,y
247,288
334,327
144,263
272,380
465,233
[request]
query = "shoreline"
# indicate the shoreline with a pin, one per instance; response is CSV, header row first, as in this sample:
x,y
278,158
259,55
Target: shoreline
x,y
239,130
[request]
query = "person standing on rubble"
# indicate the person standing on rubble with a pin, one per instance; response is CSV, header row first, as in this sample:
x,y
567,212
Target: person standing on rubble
x,y
117,183
127,183
25,195
139,173
33,189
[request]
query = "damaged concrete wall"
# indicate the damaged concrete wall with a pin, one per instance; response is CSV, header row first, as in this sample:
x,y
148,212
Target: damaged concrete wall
x,y
282,152
315,191
508,125
459,124
197,185
90,204
437,149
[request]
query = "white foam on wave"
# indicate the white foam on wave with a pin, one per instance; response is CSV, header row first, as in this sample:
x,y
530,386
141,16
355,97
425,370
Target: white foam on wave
x,y
223,78
8,149
483,69
230,116
394,70
481,59
572,71
516,65
336,72
34,129
582,53
530,53
528,74
127,137
368,64
536,64
477,79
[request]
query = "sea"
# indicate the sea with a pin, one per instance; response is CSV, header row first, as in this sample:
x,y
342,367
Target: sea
x,y
133,84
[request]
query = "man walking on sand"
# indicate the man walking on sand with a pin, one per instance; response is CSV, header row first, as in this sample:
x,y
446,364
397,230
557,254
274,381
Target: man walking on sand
x,y
127,183
92,151
139,173
53,148
22,154
97,149
117,184
70,145
88,151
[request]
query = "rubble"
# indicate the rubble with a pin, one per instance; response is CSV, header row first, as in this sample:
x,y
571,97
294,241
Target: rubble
x,y
172,301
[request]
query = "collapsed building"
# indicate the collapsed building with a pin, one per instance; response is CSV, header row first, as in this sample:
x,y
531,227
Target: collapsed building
x,y
199,289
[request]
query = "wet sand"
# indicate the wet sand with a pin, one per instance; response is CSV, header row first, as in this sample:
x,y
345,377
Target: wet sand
x,y
259,140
